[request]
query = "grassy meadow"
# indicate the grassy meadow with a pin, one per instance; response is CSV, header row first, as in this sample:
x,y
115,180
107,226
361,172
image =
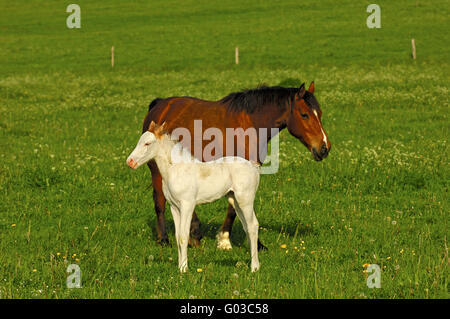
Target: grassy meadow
x,y
68,121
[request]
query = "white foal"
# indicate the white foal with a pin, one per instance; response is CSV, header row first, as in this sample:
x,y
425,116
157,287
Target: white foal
x,y
190,182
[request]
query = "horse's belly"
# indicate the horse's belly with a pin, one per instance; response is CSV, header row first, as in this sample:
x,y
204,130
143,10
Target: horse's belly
x,y
213,188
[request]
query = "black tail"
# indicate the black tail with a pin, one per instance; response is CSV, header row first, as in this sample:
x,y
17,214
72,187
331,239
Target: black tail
x,y
154,102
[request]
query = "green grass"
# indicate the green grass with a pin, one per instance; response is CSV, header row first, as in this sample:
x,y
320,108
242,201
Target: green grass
x,y
68,121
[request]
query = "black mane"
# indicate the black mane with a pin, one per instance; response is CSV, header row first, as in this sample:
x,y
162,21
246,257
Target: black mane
x,y
250,100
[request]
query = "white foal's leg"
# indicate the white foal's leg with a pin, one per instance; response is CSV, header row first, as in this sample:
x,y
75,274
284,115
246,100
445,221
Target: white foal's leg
x,y
176,220
186,212
223,238
244,209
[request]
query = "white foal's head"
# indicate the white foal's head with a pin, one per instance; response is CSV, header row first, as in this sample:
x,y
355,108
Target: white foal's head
x,y
146,148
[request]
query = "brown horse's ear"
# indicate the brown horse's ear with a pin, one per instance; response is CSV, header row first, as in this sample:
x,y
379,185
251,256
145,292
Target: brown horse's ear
x,y
311,87
301,92
152,126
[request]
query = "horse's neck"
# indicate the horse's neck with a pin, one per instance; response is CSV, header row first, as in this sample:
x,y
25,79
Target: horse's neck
x,y
163,157
275,118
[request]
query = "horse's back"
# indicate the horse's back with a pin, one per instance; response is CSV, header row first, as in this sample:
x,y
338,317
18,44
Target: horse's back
x,y
192,118
179,111
213,180
243,174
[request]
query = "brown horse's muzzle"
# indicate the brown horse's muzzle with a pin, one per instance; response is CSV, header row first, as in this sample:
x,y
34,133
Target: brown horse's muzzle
x,y
321,153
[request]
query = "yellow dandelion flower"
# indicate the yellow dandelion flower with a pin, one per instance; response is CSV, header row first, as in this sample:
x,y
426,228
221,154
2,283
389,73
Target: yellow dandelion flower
x,y
388,258
401,251
199,270
366,265
287,251
13,225
283,246
295,248
57,254
77,260
34,270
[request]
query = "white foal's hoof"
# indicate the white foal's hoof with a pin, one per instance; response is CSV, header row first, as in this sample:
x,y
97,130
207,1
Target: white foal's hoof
x,y
183,269
255,268
223,241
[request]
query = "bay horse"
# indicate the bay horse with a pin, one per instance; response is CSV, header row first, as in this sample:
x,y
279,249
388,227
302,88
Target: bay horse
x,y
263,107
189,182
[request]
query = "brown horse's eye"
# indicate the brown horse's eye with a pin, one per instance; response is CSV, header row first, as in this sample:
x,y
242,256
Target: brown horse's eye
x,y
305,116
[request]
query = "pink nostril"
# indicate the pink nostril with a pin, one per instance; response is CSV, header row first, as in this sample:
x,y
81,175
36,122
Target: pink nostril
x,y
131,163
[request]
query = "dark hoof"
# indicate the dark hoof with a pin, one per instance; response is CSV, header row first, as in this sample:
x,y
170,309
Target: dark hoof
x,y
194,242
261,246
164,242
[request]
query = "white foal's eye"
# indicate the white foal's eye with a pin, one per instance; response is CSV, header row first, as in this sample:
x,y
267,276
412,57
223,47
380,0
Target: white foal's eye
x,y
147,144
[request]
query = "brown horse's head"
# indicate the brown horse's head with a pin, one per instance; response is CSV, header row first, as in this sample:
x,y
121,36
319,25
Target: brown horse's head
x,y
305,123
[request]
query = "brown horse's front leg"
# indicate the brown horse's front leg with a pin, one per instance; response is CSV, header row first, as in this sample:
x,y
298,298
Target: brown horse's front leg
x,y
160,204
195,234
223,237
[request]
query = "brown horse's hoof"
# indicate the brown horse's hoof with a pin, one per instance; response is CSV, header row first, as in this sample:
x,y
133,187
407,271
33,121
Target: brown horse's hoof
x,y
194,242
163,241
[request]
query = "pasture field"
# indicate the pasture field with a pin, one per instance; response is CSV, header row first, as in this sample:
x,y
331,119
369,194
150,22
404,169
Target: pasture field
x,y
68,121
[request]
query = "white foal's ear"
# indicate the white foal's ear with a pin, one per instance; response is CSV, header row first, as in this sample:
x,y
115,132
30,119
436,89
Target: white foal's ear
x,y
152,126
160,130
